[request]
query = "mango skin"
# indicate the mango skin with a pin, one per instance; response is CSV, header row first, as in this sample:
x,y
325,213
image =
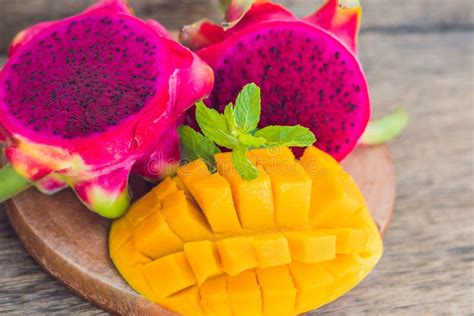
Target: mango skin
x,y
278,268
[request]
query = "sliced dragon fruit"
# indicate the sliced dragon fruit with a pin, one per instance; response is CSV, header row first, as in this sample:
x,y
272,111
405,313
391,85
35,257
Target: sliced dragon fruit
x,y
306,68
88,99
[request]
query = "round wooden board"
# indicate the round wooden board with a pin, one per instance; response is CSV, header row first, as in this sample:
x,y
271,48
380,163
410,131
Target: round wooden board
x,y
70,242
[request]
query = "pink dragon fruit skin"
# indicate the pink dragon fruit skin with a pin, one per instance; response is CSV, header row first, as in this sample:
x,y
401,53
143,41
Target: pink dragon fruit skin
x,y
306,68
86,100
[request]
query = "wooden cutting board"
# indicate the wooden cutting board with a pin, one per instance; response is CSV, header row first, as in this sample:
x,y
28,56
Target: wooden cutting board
x,y
70,242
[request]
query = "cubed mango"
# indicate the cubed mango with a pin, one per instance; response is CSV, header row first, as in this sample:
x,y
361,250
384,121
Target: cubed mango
x,y
311,281
291,188
308,247
278,291
244,294
203,259
169,275
272,250
270,156
184,218
192,171
348,240
186,302
214,297
155,238
142,208
237,254
214,196
253,199
128,260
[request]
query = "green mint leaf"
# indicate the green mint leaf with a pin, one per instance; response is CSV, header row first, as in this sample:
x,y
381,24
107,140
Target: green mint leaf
x,y
251,141
291,136
194,146
243,165
230,117
247,108
214,126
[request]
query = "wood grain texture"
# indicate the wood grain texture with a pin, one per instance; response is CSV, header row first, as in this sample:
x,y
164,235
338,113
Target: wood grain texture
x,y
422,62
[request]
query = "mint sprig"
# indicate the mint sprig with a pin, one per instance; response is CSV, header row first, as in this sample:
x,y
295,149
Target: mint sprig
x,y
236,129
194,146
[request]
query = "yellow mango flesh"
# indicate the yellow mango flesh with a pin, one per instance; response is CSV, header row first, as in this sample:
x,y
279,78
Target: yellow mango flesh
x,y
204,259
291,186
215,298
253,199
214,244
310,247
153,229
278,291
244,294
184,218
168,275
214,196
272,250
237,254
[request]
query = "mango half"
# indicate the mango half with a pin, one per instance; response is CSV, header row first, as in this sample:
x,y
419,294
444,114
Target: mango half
x,y
297,237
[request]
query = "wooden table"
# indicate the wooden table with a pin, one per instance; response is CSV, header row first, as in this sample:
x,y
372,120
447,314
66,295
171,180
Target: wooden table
x,y
419,54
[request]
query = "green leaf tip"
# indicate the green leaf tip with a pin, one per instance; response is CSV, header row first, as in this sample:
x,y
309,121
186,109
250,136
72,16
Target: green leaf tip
x,y
11,183
247,108
214,126
382,130
289,136
237,129
247,170
194,146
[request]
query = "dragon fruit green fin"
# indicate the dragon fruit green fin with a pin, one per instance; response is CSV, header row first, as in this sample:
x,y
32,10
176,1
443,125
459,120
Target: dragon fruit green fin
x,y
108,195
11,183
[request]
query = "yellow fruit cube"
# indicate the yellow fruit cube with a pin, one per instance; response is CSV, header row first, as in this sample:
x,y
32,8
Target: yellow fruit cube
x,y
272,250
343,265
319,164
214,196
142,208
253,199
169,274
278,291
291,188
186,302
244,294
192,171
348,240
127,260
166,187
311,281
214,297
179,184
270,156
331,205
309,247
120,233
154,238
184,218
237,254
203,259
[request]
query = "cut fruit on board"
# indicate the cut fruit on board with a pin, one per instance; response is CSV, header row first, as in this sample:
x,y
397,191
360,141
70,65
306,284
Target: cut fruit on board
x,y
71,243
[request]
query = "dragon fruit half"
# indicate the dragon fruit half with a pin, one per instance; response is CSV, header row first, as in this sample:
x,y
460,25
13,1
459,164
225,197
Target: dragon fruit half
x,y
86,100
306,68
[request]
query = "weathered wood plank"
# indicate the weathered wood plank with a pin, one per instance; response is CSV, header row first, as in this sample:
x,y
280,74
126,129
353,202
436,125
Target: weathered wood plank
x,y
379,15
